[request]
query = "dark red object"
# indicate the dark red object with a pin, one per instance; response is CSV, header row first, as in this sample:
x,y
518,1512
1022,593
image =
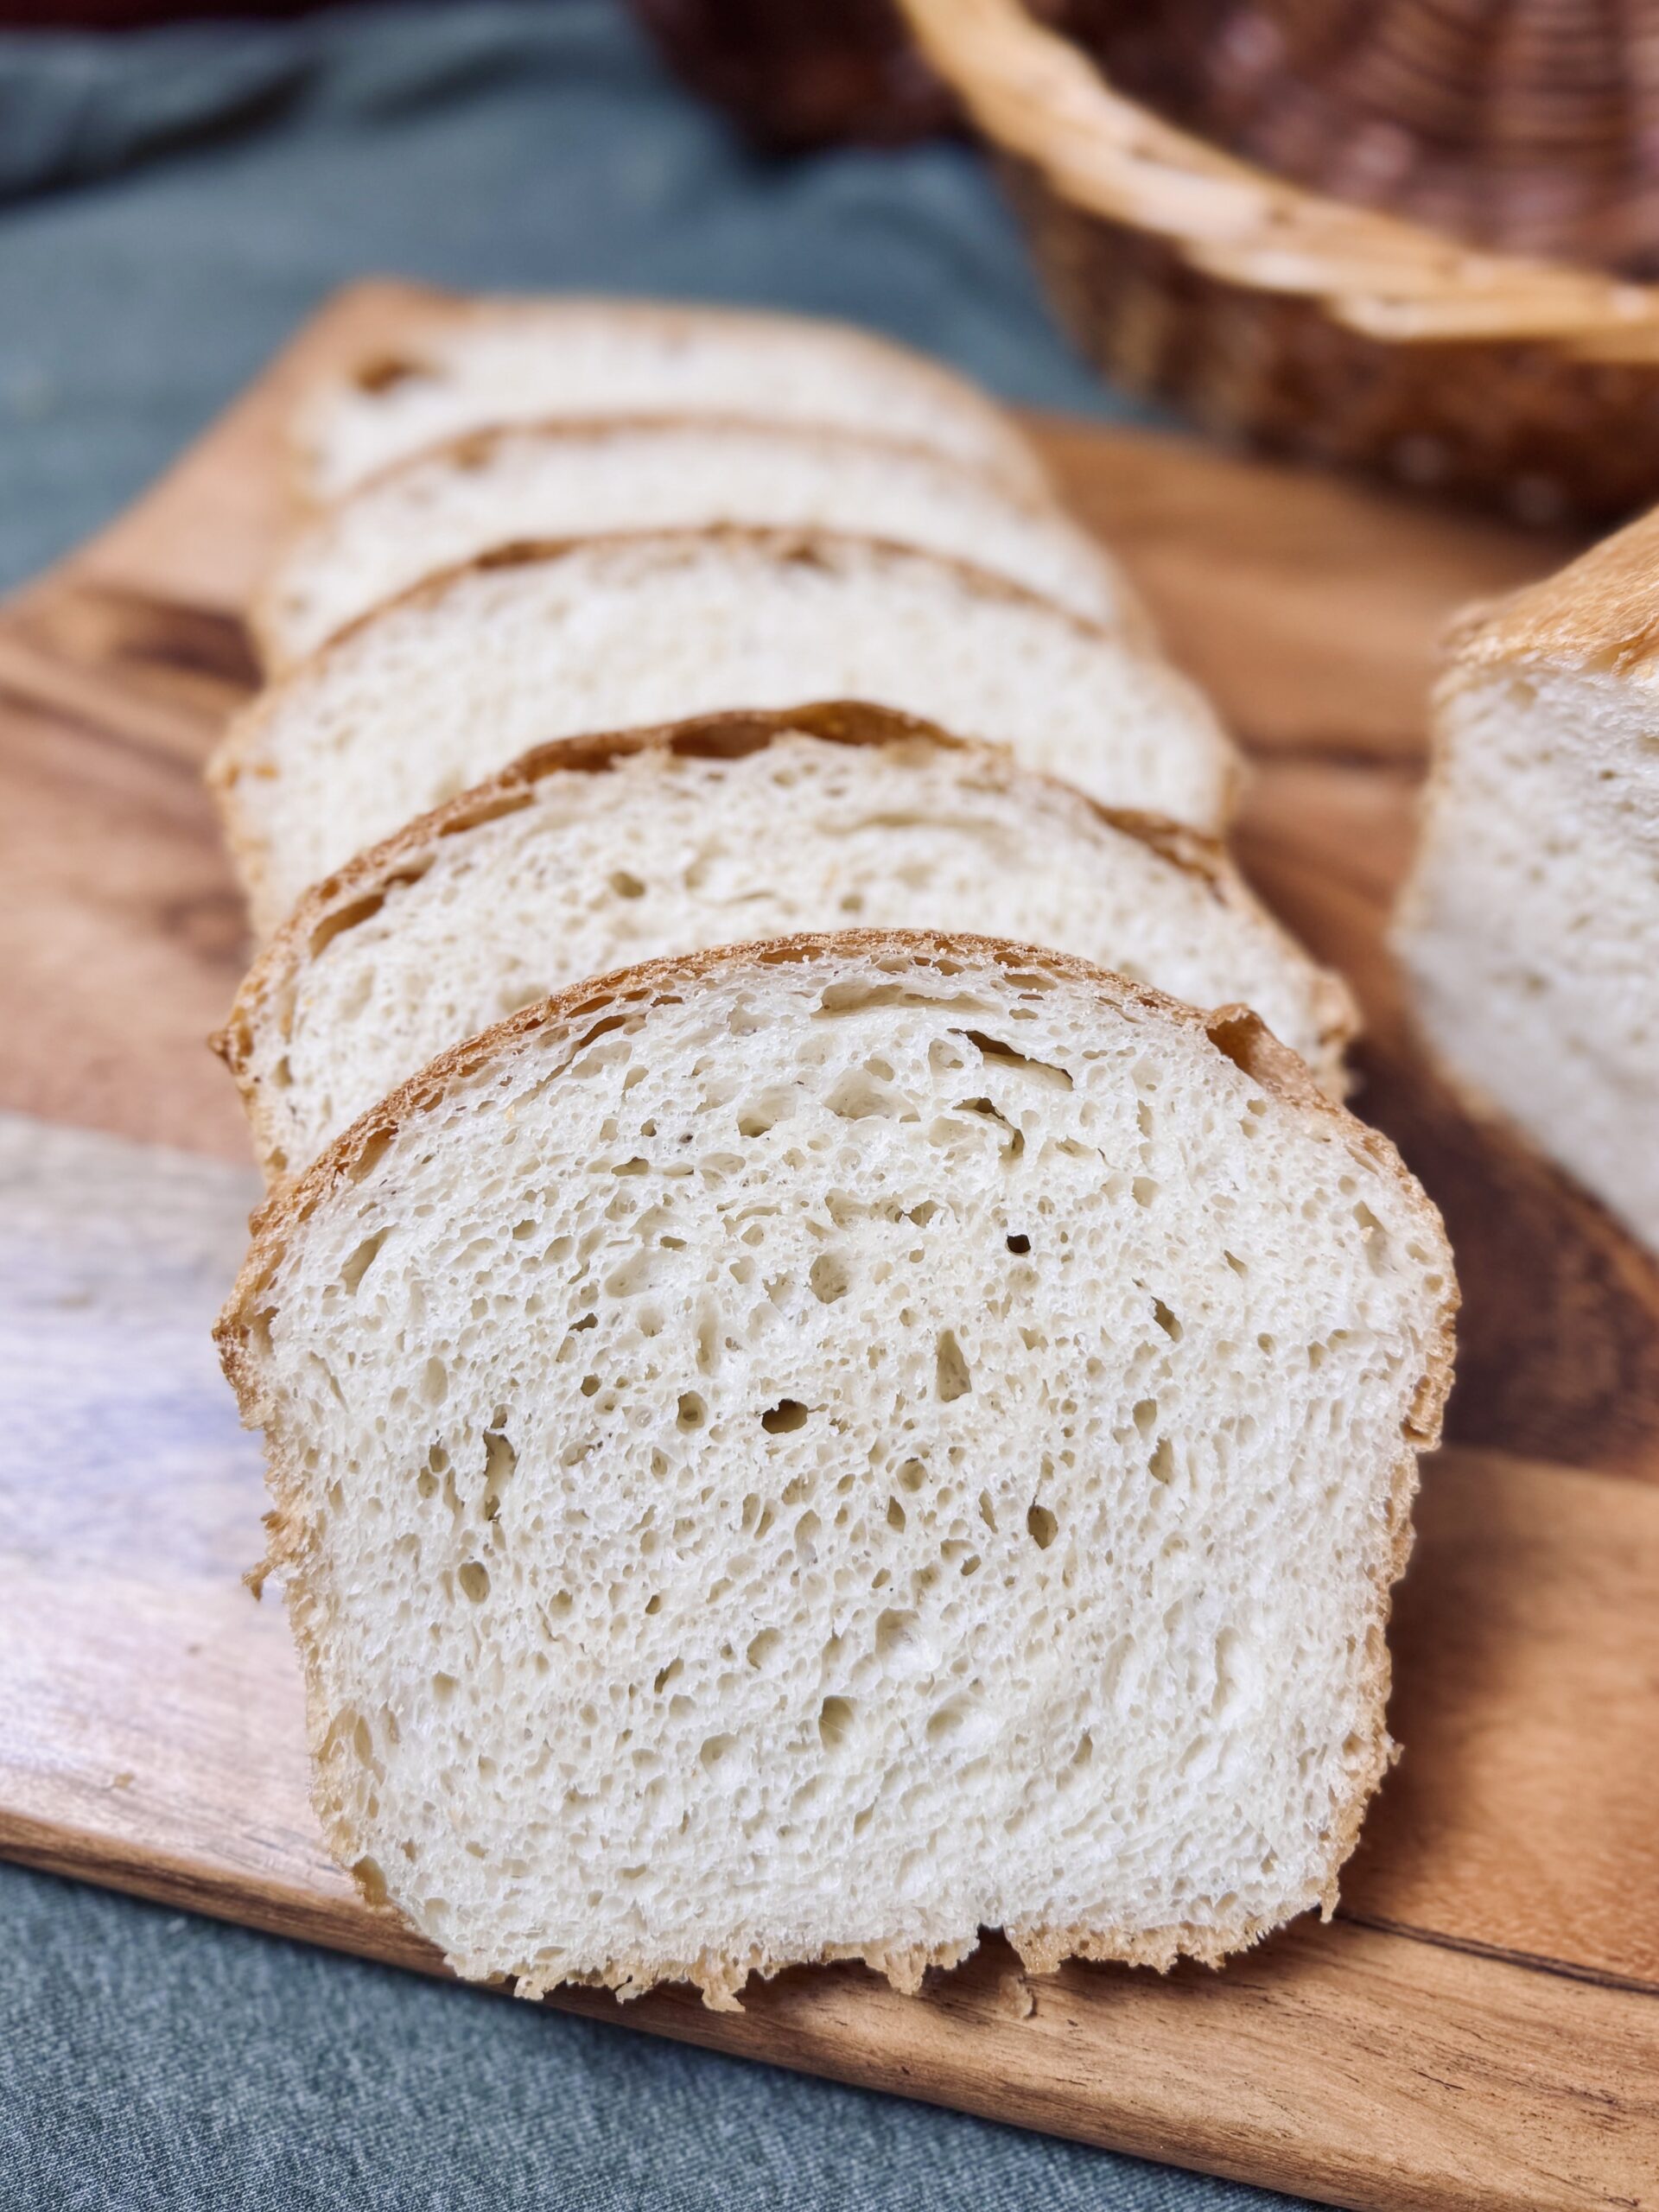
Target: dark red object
x,y
796,73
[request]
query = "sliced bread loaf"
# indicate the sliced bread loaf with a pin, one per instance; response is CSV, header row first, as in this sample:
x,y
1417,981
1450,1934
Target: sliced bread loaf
x,y
594,853
552,480
440,689
1529,930
813,1449
451,366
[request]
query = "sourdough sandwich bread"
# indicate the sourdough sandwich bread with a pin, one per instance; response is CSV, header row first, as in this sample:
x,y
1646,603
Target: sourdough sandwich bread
x,y
498,487
449,366
595,854
810,1450
1529,928
443,686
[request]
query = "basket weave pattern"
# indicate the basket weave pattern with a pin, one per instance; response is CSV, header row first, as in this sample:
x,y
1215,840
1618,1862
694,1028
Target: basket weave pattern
x,y
1307,325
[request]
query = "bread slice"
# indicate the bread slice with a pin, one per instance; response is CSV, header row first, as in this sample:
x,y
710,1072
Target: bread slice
x,y
450,366
551,481
428,695
597,853
1529,928
809,1450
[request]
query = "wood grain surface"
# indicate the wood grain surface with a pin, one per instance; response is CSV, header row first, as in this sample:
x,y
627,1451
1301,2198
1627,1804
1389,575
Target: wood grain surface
x,y
1479,2026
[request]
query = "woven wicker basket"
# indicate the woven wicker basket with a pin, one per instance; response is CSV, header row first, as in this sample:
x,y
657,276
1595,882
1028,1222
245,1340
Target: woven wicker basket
x,y
1307,324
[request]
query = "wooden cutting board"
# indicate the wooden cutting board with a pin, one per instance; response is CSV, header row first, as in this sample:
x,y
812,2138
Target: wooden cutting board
x,y
1479,2026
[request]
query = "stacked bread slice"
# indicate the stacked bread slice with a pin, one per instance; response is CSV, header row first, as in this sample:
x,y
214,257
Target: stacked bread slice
x,y
835,1372
612,632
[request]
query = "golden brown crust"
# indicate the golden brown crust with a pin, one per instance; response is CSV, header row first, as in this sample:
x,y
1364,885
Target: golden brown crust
x,y
587,1010
471,449
1600,614
436,314
356,892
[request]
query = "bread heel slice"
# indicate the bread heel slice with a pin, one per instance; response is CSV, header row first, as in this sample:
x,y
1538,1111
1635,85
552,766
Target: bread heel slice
x,y
1530,928
808,1449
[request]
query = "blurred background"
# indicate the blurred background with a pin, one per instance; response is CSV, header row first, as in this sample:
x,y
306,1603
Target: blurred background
x,y
1256,213
174,201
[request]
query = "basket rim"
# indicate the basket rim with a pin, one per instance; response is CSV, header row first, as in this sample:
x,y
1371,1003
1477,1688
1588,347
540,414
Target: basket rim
x,y
1040,97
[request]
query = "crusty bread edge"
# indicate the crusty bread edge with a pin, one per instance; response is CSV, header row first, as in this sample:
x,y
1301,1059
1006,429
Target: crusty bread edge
x,y
588,1009
1010,455
355,892
1597,614
468,449
229,757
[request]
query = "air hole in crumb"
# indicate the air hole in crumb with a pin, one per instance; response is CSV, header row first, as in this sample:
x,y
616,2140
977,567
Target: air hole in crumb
x,y
948,1721
987,1510
1041,1527
783,1419
895,1515
761,1647
362,1259
893,1630
1374,1235
858,1096
1021,1244
627,885
828,1278
500,1463
951,1376
1166,1320
912,1475
589,1385
715,1749
475,1579
1144,1190
369,1878
1145,1414
835,1722
692,1412
1162,1465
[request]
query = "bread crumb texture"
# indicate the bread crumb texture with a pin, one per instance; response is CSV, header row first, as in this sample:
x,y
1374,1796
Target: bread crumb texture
x,y
808,1451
